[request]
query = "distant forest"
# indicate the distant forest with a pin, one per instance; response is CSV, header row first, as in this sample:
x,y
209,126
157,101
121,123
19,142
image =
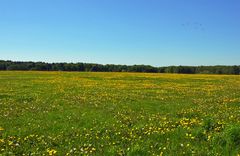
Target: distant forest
x,y
91,67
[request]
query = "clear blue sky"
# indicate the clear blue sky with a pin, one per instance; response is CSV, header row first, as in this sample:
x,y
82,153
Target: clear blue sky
x,y
155,32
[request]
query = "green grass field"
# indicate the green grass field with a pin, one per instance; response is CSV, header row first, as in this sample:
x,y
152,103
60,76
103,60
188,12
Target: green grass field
x,y
72,113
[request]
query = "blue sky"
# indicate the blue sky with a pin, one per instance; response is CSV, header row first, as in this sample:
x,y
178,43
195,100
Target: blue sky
x,y
154,32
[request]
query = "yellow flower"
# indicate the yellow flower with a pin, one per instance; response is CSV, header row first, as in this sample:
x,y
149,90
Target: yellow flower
x,y
1,129
209,137
51,152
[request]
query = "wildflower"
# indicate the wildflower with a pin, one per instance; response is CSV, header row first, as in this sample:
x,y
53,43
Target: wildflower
x,y
209,137
1,129
51,152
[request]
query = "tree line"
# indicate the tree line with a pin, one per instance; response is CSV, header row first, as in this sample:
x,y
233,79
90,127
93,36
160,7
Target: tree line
x,y
92,67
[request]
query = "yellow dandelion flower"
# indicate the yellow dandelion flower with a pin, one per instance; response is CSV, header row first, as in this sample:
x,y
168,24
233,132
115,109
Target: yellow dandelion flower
x,y
51,151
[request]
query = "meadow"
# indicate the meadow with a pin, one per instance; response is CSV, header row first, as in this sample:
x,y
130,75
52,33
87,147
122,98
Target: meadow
x,y
87,113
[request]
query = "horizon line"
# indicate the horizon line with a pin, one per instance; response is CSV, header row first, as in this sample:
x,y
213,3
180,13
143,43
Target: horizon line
x,y
117,64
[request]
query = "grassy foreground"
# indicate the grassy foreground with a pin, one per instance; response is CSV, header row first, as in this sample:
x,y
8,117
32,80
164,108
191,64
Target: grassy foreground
x,y
67,113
